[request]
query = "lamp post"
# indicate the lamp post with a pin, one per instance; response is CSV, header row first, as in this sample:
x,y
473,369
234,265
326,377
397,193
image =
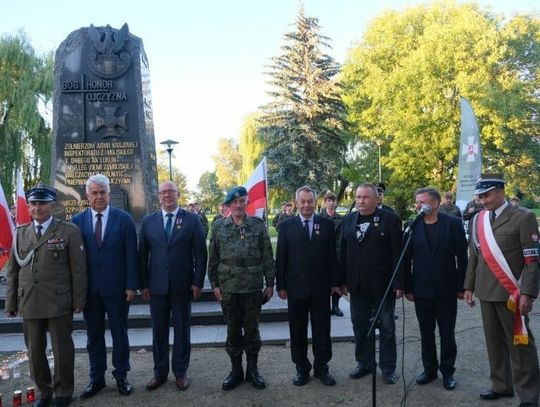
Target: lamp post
x,y
170,147
379,143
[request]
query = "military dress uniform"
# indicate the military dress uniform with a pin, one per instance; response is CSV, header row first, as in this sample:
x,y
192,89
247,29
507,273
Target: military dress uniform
x,y
46,281
240,256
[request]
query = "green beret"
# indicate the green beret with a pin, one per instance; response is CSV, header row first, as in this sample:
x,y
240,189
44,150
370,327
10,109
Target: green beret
x,y
234,193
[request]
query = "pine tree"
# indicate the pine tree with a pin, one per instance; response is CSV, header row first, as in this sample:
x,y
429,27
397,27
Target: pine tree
x,y
303,124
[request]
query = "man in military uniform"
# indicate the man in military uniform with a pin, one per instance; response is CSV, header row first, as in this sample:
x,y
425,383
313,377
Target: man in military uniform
x,y
240,255
286,214
329,212
46,284
503,274
471,209
381,188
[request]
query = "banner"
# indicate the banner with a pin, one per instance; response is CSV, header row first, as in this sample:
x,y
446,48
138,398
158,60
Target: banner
x,y
257,189
6,229
23,213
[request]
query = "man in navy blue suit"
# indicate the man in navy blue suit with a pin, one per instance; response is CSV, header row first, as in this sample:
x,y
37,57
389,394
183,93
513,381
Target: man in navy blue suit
x,y
113,280
434,271
172,249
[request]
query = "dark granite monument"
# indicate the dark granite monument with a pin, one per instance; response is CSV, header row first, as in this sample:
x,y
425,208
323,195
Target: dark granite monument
x,y
102,121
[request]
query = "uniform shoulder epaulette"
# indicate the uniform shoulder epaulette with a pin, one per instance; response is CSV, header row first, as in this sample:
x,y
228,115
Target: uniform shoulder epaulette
x,y
67,223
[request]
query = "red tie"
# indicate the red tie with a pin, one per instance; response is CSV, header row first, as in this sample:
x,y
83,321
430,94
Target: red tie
x,y
98,230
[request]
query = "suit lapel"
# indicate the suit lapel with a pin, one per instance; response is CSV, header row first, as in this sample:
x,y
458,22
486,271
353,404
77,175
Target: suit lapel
x,y
50,230
110,222
176,221
502,218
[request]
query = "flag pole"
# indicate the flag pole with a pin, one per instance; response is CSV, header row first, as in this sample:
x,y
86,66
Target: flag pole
x,y
266,192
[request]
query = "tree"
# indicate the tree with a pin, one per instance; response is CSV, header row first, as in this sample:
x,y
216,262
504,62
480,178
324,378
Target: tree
x,y
177,177
304,122
209,195
403,82
251,146
228,163
25,138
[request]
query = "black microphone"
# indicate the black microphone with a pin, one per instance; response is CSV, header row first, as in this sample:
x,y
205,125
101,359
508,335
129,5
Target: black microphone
x,y
424,210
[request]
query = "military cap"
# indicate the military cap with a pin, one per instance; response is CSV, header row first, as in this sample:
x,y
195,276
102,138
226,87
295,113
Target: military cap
x,y
42,193
488,182
380,187
330,195
234,193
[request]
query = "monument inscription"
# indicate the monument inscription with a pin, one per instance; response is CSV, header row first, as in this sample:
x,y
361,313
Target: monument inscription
x,y
102,120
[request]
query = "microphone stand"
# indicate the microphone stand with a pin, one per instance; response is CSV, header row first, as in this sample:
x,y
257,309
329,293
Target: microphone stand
x,y
374,320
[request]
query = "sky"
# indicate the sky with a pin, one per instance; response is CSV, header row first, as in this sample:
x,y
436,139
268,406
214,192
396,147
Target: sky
x,y
208,57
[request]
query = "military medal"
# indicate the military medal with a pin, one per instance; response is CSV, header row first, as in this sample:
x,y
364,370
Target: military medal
x,y
242,233
376,221
316,228
179,223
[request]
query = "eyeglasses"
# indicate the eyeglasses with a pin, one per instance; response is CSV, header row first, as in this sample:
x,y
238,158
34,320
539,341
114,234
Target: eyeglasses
x,y
168,192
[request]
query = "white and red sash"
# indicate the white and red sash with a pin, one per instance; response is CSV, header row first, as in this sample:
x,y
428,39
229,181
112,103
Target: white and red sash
x,y
498,265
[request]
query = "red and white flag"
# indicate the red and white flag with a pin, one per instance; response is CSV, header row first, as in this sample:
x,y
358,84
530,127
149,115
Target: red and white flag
x,y
257,188
23,213
6,229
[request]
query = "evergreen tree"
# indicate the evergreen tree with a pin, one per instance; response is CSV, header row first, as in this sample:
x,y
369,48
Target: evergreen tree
x,y
303,124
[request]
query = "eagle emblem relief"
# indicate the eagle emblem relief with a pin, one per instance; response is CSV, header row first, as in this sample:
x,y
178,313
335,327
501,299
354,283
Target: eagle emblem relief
x,y
108,58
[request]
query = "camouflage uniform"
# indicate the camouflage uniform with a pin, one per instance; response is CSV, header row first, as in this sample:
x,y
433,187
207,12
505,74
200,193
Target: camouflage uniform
x,y
239,257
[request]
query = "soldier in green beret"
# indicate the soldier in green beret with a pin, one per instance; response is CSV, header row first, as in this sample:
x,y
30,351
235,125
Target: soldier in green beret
x,y
240,256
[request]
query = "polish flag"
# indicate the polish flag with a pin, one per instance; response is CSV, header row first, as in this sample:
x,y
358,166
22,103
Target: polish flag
x,y
257,189
6,229
23,213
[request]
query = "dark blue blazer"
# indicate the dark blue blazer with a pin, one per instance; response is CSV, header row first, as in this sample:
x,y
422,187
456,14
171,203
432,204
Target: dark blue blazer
x,y
439,271
172,266
306,267
113,267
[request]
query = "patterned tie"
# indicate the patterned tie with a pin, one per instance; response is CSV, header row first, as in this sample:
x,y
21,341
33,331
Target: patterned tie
x,y
306,228
38,231
168,226
98,230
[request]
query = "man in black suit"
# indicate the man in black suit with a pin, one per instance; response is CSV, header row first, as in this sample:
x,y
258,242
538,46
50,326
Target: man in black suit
x,y
306,274
172,251
370,249
434,281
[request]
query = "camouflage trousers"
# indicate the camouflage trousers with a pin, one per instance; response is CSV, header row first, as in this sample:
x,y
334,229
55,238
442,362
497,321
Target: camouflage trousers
x,y
241,312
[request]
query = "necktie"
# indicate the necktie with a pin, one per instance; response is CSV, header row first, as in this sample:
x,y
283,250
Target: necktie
x,y
492,216
38,231
98,230
306,227
168,226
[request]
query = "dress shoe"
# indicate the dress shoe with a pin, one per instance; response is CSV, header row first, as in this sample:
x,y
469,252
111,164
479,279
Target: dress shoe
x,y
123,386
326,378
300,379
448,382
493,395
92,389
360,371
62,401
155,383
253,377
182,382
389,378
337,312
46,402
425,378
234,378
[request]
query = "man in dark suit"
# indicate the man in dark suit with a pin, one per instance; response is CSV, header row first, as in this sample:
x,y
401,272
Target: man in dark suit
x,y
504,249
111,243
434,281
306,274
370,249
46,284
172,250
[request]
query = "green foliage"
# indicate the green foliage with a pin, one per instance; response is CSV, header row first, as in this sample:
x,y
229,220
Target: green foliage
x,y
210,195
228,163
303,124
403,82
177,176
251,147
25,140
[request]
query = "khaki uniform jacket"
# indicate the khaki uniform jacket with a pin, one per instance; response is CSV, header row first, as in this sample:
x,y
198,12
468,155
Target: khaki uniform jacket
x,y
54,282
515,230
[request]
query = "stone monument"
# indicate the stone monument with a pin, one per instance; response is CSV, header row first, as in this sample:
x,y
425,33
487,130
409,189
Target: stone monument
x,y
102,121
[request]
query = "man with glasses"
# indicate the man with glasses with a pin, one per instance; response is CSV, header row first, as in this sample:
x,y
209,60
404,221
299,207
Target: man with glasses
x,y
172,250
503,274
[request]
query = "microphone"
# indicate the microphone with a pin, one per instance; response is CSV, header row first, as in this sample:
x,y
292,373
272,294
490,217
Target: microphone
x,y
424,210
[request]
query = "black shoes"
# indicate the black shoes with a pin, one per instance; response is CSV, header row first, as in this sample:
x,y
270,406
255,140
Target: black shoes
x,y
46,402
124,387
360,371
253,377
425,378
62,401
449,383
337,312
493,395
234,378
389,378
92,389
300,379
326,378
